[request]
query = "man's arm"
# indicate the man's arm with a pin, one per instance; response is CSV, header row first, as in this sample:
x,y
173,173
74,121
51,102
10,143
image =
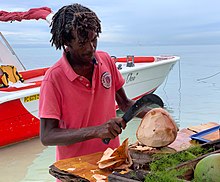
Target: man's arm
x,y
51,134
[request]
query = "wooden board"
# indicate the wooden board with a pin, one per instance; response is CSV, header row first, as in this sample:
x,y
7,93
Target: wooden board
x,y
183,140
212,136
83,166
202,127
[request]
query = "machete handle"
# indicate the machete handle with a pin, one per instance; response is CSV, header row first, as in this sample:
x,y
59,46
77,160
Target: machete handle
x,y
107,140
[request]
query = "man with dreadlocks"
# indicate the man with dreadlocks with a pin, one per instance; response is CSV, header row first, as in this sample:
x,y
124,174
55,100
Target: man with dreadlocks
x,y
78,93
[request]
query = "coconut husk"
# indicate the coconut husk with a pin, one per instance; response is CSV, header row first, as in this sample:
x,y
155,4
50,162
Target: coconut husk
x,y
116,159
157,129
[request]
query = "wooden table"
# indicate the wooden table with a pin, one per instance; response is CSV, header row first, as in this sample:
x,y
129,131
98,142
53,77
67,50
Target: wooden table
x,y
84,167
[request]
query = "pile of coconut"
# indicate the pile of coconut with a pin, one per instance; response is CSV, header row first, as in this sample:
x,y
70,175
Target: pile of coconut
x,y
157,129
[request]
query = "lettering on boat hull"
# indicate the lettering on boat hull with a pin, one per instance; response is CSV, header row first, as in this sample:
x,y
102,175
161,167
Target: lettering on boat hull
x,y
31,98
131,77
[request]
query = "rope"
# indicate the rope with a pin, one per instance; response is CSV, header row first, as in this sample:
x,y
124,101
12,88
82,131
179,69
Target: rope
x,y
179,92
200,79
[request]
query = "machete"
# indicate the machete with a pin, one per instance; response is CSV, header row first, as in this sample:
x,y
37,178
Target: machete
x,y
139,106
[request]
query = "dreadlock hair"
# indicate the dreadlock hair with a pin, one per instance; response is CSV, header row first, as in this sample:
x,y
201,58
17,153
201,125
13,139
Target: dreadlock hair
x,y
70,18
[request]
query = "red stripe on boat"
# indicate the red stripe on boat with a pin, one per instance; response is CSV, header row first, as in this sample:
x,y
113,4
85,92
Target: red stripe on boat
x,y
33,73
137,59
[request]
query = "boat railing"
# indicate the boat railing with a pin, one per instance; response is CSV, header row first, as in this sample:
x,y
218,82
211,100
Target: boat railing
x,y
8,55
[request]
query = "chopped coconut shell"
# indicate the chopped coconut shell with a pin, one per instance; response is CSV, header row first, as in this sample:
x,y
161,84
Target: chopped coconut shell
x,y
107,156
116,159
99,177
157,129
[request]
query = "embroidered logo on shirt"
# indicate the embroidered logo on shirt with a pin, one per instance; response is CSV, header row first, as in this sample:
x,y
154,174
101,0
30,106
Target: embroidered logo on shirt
x,y
106,80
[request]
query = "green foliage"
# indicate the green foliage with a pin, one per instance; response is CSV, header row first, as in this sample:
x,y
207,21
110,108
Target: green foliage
x,y
199,151
170,160
163,163
161,176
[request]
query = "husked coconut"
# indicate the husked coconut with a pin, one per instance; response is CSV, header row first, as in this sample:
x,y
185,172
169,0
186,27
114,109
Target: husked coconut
x,y
157,128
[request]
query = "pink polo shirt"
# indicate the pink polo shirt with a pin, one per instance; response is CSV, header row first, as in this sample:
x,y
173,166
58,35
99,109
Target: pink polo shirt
x,y
76,103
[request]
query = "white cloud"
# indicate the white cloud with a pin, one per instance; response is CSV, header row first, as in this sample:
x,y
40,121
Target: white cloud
x,y
126,21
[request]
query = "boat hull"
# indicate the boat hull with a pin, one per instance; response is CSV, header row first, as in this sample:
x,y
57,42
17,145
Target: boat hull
x,y
19,109
143,81
17,123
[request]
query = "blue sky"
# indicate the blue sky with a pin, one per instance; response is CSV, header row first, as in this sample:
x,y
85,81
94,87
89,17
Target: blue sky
x,y
126,22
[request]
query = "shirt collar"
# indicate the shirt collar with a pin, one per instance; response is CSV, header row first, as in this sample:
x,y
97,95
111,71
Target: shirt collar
x,y
69,72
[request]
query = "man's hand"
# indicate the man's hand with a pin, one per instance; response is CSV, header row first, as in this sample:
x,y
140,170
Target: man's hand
x,y
111,128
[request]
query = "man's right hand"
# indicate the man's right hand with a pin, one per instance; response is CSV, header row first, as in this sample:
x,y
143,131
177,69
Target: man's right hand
x,y
111,128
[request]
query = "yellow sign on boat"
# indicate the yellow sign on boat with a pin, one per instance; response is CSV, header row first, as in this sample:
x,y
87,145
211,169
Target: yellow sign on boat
x,y
31,98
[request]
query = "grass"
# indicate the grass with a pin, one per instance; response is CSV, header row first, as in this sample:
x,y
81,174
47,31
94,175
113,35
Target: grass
x,y
162,162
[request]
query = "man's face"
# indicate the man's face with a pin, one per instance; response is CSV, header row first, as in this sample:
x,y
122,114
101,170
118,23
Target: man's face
x,y
83,50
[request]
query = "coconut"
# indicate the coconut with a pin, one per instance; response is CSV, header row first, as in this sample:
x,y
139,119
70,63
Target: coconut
x,y
208,168
157,128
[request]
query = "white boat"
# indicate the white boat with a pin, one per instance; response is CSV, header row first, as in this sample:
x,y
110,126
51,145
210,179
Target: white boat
x,y
19,101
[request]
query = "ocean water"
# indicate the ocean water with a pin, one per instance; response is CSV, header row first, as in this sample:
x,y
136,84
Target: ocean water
x,y
191,94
